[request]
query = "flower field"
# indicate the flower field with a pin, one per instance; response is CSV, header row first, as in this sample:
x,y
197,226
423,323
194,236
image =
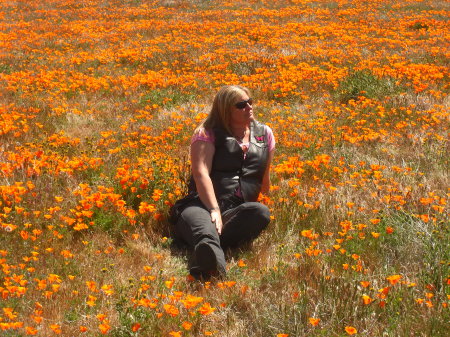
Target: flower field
x,y
98,101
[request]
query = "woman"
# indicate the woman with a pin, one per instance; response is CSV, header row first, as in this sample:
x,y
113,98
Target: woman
x,y
231,155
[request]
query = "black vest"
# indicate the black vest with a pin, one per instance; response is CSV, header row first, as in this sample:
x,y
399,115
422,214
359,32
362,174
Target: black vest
x,y
229,168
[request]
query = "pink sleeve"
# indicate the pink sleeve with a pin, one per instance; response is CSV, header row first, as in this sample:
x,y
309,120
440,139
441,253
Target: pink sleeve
x,y
270,138
204,136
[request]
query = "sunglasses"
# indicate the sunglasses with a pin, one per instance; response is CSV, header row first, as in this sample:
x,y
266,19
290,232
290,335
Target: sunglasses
x,y
243,104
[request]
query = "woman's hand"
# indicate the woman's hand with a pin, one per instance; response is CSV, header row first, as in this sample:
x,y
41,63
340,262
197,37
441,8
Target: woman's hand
x,y
216,217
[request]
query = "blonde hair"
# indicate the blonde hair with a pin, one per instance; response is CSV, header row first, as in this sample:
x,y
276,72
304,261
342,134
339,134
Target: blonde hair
x,y
223,103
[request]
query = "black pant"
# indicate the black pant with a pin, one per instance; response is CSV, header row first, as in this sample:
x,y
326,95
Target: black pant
x,y
241,223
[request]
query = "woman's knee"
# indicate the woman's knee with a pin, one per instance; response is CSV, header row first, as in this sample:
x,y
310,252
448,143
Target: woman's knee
x,y
259,212
197,222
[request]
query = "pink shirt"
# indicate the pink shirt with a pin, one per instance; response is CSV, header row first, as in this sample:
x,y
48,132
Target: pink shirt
x,y
208,136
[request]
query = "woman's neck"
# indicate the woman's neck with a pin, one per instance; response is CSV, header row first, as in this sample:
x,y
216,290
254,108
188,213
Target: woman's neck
x,y
241,132
240,127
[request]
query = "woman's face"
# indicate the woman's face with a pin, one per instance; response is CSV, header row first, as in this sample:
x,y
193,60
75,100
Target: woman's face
x,y
241,116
